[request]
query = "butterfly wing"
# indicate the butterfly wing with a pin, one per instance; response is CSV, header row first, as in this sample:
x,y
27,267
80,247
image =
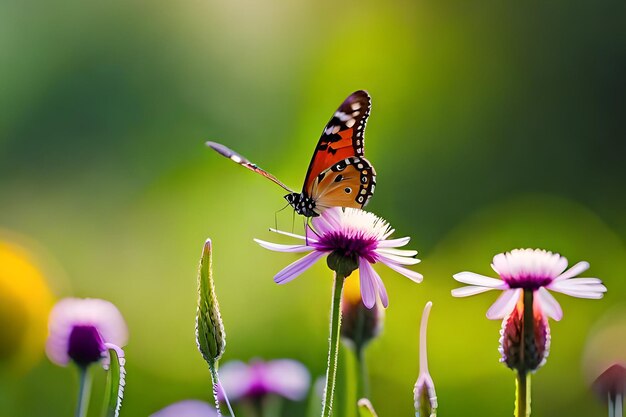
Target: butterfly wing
x,y
348,183
244,162
342,137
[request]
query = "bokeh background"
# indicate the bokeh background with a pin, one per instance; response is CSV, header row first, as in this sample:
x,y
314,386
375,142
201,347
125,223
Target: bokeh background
x,y
494,126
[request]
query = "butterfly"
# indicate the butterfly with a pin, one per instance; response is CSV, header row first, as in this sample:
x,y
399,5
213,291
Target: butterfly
x,y
338,175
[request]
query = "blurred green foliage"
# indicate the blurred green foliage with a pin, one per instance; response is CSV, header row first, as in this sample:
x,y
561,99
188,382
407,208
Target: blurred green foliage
x,y
494,126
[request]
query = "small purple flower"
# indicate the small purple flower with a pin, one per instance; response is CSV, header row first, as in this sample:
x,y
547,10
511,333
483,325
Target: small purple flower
x,y
284,377
530,269
82,330
352,234
187,408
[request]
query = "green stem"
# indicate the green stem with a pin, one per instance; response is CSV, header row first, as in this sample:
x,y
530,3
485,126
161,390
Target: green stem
x,y
363,386
522,408
217,385
84,392
333,349
522,402
272,406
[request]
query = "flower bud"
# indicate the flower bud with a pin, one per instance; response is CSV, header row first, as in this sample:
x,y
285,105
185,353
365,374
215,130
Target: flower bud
x,y
359,324
535,346
210,335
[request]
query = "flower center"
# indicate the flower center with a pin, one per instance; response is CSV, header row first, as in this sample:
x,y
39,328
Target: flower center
x,y
348,246
527,281
85,345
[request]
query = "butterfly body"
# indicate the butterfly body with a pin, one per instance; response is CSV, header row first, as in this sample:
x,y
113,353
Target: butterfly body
x,y
338,174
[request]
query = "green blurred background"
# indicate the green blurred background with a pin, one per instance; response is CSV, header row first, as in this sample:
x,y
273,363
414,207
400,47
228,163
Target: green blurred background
x,y
494,126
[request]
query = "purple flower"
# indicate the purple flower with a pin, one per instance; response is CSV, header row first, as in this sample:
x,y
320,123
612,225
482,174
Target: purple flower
x,y
284,377
187,408
351,234
530,269
82,330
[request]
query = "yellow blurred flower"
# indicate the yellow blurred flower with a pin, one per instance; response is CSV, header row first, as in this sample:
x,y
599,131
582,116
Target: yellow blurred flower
x,y
359,324
25,301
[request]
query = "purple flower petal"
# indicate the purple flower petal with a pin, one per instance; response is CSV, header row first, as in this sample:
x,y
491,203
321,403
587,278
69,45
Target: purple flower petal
x,y
594,291
283,248
329,221
579,285
280,232
573,271
380,286
481,280
397,259
399,252
394,243
548,304
412,275
296,268
236,380
187,408
470,290
504,304
368,283
288,378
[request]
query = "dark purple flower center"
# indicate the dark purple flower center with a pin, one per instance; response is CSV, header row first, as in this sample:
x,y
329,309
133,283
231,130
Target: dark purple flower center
x,y
348,246
85,345
527,282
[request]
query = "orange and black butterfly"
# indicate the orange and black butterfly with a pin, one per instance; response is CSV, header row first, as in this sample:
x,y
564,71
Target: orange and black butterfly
x,y
338,175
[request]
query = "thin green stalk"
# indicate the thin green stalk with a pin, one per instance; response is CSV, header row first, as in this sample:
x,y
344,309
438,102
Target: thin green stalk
x,y
522,407
84,392
351,377
333,349
272,406
363,385
217,385
522,402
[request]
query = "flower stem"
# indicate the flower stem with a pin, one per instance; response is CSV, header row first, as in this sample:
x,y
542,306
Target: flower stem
x,y
84,392
217,386
333,349
522,407
522,400
363,387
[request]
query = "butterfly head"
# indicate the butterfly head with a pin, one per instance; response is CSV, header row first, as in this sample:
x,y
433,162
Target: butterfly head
x,y
302,204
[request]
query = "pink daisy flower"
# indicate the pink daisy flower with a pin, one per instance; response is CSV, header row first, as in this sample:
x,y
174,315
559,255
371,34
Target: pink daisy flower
x,y
530,269
356,235
82,330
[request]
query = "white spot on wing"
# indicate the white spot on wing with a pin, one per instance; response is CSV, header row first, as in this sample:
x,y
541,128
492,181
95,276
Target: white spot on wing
x,y
355,106
342,116
236,158
350,122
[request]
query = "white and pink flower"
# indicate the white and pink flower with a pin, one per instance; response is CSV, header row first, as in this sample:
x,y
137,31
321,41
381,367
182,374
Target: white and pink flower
x,y
530,269
351,233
